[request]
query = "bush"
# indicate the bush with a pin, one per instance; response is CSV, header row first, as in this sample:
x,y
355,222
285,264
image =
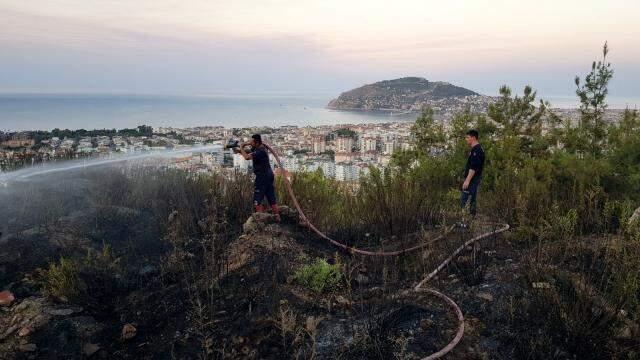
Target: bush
x,y
63,280
319,276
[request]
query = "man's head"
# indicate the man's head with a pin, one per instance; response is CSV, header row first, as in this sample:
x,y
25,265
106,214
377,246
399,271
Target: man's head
x,y
256,140
471,137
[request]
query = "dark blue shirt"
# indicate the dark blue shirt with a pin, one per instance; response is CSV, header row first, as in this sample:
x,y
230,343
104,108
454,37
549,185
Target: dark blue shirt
x,y
260,160
475,161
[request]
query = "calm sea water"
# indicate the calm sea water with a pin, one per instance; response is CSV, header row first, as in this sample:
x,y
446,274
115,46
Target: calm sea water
x,y
29,112
45,112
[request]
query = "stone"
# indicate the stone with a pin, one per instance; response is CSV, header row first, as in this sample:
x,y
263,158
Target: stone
x,y
28,348
541,285
342,300
60,312
128,332
89,349
25,331
6,298
485,296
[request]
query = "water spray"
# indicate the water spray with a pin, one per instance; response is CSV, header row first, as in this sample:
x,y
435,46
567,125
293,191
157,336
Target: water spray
x,y
46,169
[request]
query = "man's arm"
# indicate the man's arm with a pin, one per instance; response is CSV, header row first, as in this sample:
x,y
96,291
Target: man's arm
x,y
244,154
475,163
467,181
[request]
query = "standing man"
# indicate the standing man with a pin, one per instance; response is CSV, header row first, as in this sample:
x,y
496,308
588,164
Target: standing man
x,y
472,172
264,175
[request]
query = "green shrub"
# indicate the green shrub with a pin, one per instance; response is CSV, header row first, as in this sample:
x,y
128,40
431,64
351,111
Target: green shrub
x,y
63,280
319,276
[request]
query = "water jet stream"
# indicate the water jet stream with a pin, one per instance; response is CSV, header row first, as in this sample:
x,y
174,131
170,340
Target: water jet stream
x,y
45,169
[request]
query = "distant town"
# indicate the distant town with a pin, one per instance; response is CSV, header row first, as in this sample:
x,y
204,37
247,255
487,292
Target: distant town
x,y
342,152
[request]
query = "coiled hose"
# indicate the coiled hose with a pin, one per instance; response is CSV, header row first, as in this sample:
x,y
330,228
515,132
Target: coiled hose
x,y
418,288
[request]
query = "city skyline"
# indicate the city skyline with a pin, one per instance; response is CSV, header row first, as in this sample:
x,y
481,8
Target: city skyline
x,y
223,46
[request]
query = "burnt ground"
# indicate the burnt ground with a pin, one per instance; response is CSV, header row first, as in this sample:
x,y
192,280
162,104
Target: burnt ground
x,y
256,310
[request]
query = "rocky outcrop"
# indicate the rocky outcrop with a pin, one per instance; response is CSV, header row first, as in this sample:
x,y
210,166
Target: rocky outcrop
x,y
264,235
409,93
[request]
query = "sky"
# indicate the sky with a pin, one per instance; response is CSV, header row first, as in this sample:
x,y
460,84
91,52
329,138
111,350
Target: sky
x,y
328,46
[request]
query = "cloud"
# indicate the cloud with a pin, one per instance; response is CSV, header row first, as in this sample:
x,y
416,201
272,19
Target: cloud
x,y
204,46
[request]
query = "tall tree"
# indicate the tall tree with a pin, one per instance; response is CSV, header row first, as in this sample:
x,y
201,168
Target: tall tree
x,y
429,134
520,121
592,94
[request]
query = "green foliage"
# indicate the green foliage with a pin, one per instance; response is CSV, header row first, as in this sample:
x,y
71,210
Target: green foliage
x,y
428,133
62,280
142,130
592,94
322,199
319,276
346,132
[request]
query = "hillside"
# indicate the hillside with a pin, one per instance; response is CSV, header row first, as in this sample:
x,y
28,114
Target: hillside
x,y
410,94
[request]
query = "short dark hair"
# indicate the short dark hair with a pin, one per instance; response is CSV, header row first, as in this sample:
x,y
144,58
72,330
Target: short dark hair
x,y
473,132
257,138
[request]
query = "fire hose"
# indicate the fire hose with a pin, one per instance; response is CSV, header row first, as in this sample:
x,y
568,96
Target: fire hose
x,y
418,288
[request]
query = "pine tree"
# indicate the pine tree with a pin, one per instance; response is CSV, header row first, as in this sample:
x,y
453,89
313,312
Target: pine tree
x,y
592,94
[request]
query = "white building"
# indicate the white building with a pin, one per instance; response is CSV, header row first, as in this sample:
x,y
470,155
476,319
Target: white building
x,y
328,168
346,172
344,144
369,144
389,147
319,145
291,163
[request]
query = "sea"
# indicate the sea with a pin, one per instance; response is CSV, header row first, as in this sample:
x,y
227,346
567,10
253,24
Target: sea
x,y
20,112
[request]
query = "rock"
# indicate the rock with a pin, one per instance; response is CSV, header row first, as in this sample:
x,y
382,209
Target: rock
x,y
635,217
89,349
485,296
60,312
541,285
27,348
8,332
128,332
258,221
25,331
342,300
634,221
288,213
6,298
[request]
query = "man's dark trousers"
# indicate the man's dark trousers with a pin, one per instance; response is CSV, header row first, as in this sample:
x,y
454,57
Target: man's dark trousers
x,y
264,188
470,195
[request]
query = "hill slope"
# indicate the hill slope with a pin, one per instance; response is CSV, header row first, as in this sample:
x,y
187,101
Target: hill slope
x,y
409,93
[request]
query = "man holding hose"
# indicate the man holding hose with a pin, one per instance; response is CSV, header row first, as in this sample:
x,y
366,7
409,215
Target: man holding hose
x,y
264,175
